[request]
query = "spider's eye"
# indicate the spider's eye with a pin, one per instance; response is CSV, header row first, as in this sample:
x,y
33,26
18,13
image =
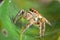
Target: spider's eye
x,y
31,10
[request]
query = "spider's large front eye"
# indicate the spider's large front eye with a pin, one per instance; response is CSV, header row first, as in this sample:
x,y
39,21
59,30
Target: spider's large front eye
x,y
31,10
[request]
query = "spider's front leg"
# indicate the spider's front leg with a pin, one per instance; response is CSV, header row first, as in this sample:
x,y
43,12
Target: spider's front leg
x,y
42,27
19,14
43,30
27,26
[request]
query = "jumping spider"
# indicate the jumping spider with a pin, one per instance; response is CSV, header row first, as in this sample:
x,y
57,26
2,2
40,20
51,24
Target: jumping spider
x,y
33,17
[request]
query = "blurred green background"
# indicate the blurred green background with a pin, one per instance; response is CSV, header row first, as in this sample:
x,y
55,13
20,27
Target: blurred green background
x,y
48,8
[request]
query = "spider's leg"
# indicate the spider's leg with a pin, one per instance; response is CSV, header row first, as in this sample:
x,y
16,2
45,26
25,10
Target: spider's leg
x,y
48,22
27,26
43,28
40,28
16,17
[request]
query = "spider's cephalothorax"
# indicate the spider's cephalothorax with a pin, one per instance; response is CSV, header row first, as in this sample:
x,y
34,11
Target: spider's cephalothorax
x,y
34,18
